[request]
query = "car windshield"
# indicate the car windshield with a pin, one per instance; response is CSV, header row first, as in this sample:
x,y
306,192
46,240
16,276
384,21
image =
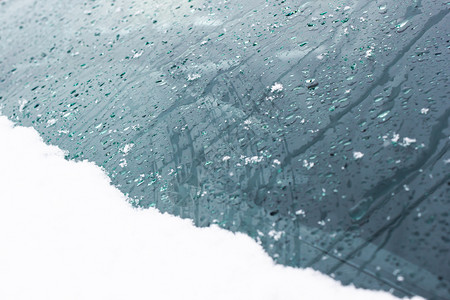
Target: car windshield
x,y
318,128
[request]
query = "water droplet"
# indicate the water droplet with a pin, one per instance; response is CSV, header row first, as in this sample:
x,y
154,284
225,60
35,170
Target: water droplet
x,y
358,211
383,114
378,99
402,26
311,83
382,9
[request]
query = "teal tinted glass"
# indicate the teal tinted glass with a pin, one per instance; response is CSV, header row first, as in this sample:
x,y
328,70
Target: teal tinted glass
x,y
318,128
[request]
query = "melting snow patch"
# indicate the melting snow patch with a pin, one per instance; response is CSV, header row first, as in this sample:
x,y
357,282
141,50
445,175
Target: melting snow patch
x,y
66,233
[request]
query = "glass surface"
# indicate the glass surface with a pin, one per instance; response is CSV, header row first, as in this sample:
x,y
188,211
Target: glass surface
x,y
319,128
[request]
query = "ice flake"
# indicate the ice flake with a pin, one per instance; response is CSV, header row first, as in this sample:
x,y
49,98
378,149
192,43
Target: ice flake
x,y
300,212
123,163
357,155
225,158
127,148
253,159
137,54
307,164
276,87
276,235
22,104
395,137
51,122
193,76
407,141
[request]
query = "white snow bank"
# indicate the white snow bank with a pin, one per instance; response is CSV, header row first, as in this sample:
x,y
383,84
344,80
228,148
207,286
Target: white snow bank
x,y
66,233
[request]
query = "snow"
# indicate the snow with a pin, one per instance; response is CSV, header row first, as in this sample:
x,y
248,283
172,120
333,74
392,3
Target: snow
x,y
357,155
276,87
407,141
66,233
424,111
127,148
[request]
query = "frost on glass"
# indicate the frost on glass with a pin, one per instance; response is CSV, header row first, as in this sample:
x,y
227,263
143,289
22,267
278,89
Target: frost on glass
x,y
318,128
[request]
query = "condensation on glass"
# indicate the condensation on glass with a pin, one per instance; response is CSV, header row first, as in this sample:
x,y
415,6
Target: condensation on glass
x,y
319,128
